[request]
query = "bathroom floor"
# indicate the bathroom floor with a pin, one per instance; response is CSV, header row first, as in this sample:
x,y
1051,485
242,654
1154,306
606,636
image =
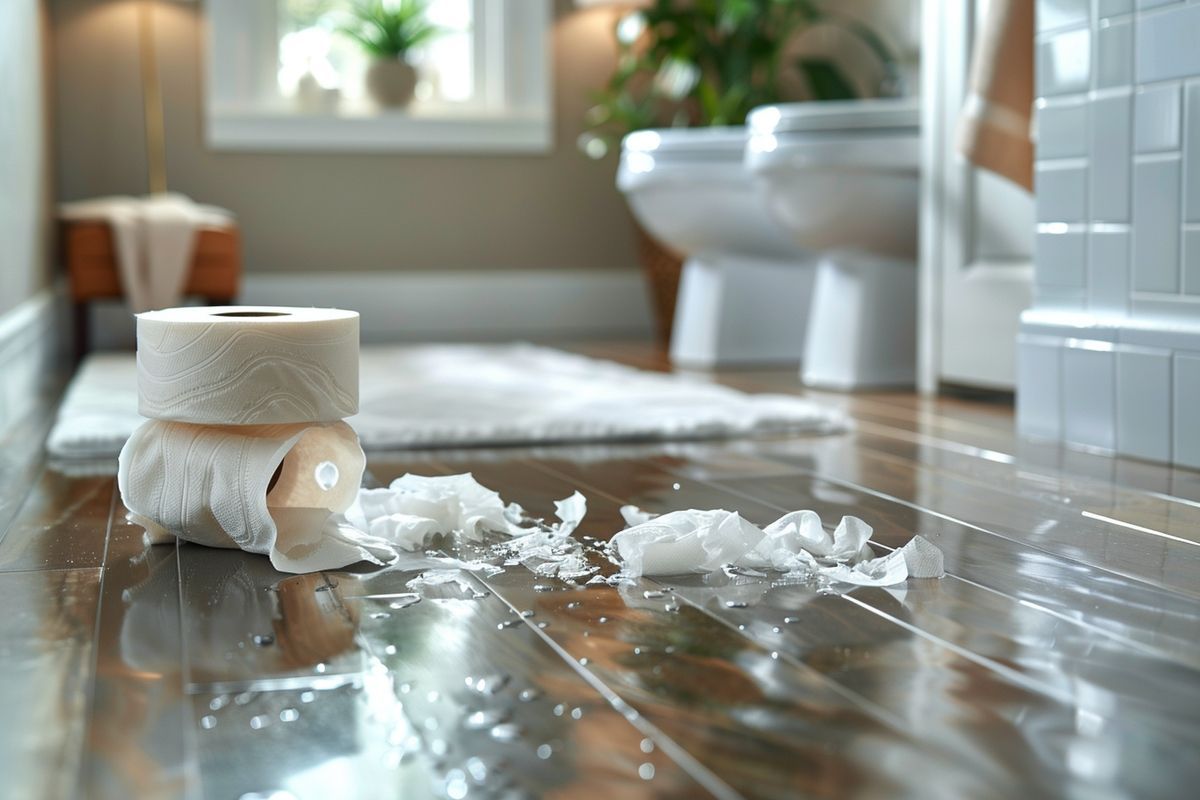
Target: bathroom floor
x,y
1060,655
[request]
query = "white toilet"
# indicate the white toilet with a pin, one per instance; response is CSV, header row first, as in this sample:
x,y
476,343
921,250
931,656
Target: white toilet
x,y
842,178
746,288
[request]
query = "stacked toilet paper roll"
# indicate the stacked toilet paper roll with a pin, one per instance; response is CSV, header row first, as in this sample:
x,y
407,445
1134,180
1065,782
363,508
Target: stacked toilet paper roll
x,y
245,445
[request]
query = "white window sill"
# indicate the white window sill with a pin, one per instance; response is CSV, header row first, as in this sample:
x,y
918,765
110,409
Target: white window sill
x,y
382,132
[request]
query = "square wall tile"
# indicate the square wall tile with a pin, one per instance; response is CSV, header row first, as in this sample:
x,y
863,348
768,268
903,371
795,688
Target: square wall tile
x,y
1110,147
1061,258
1191,262
1114,53
1053,14
1144,403
1089,387
1157,118
1165,44
1156,226
1039,379
1062,129
1185,438
1191,155
1064,63
1108,272
1061,193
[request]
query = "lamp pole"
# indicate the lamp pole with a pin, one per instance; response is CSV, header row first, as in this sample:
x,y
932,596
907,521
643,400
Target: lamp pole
x,y
152,105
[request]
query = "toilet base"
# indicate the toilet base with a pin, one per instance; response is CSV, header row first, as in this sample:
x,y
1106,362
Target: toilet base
x,y
739,310
862,329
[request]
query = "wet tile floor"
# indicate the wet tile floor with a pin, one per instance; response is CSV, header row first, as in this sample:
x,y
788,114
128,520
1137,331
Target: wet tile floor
x,y
1060,656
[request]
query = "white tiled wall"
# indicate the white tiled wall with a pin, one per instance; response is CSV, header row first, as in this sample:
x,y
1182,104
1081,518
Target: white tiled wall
x,y
1110,353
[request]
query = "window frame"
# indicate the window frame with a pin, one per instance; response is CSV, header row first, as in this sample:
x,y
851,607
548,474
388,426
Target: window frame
x,y
512,65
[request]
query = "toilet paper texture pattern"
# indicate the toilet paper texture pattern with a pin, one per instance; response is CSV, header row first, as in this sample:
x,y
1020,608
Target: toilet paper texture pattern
x,y
246,365
271,489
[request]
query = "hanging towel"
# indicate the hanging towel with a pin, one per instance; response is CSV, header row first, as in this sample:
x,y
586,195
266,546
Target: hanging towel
x,y
994,131
153,237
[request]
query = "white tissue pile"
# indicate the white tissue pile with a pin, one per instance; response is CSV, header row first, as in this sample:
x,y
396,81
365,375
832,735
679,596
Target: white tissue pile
x,y
705,541
413,510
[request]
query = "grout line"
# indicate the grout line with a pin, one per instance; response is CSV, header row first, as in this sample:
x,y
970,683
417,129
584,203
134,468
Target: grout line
x,y
93,666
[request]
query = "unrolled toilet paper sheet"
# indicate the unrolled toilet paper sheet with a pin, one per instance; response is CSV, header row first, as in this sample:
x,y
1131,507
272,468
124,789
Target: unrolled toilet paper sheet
x,y
703,541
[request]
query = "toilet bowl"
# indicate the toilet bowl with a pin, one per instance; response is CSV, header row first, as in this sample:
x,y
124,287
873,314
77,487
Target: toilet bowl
x,y
746,288
842,178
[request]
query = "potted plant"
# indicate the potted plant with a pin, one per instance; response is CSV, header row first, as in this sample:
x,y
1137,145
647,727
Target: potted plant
x,y
388,31
710,62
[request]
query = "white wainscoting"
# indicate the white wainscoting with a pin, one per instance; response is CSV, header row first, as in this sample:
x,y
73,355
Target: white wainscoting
x,y
535,305
31,346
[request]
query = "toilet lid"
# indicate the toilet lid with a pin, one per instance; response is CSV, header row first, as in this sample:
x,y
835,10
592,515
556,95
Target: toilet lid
x,y
718,143
844,117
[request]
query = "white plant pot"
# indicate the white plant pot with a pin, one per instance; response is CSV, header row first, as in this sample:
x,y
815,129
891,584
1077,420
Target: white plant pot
x,y
391,82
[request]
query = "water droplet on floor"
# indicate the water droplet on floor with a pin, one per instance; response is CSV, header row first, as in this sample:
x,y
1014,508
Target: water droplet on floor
x,y
540,587
478,769
245,698
218,702
259,722
529,695
646,771
208,722
671,608
488,684
647,746
404,601
775,654
576,713
736,604
543,625
776,629
560,709
390,650
456,784
506,732
320,668
544,751
574,604
602,620
439,747
526,614
653,594
307,697
508,623
486,718
675,486
380,615
264,639
289,715
583,661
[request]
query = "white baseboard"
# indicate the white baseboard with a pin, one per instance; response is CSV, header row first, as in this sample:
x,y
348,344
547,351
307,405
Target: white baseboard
x,y
31,344
536,305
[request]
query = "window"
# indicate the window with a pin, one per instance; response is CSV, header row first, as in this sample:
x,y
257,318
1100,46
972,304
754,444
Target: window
x,y
282,77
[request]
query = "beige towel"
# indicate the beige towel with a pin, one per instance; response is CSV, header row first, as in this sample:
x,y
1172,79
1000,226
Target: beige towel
x,y
994,132
153,238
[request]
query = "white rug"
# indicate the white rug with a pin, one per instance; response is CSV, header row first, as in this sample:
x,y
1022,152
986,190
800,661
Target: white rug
x,y
473,395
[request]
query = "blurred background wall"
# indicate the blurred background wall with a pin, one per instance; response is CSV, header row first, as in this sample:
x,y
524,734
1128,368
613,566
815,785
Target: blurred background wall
x,y
340,212
25,230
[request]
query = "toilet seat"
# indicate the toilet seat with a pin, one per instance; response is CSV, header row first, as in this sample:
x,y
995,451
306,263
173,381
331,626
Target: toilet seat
x,y
881,134
663,156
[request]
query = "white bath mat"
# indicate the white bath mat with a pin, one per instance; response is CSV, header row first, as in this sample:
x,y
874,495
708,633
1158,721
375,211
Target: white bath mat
x,y
470,395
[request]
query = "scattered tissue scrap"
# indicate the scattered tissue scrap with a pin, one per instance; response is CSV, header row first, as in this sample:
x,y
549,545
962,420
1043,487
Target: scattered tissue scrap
x,y
414,509
704,541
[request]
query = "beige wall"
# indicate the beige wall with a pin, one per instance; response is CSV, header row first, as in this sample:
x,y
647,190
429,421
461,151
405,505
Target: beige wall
x,y
24,161
321,212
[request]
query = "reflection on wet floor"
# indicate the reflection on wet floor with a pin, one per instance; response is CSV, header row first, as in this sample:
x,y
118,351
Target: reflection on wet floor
x,y
163,670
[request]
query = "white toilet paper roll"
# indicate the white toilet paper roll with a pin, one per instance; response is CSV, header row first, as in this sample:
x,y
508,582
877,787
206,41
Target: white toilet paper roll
x,y
270,489
248,365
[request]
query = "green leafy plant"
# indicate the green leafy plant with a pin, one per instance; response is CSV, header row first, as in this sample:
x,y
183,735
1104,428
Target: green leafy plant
x,y
709,62
389,29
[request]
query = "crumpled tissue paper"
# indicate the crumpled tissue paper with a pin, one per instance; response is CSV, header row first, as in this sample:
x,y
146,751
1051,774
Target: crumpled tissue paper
x,y
704,541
